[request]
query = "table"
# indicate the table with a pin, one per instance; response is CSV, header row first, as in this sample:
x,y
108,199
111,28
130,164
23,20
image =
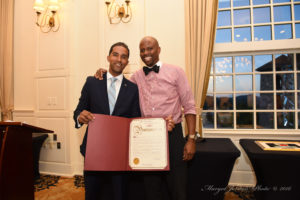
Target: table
x,y
277,172
208,172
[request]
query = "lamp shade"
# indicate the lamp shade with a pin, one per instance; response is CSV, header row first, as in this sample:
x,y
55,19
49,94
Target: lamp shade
x,y
53,5
39,6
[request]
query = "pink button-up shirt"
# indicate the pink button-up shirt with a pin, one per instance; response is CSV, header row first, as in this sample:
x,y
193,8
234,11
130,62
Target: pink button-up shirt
x,y
164,93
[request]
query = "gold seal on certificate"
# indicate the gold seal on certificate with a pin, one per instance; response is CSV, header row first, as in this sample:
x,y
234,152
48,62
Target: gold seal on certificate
x,y
148,147
136,161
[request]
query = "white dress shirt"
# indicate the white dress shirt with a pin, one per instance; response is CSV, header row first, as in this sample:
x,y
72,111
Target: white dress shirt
x,y
118,82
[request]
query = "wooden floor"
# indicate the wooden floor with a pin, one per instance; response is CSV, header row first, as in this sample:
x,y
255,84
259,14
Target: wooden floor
x,y
59,189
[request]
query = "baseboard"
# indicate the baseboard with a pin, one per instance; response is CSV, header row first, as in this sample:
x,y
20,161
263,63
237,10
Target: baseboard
x,y
59,169
78,168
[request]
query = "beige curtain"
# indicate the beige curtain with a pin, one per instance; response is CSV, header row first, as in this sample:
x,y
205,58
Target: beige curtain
x,y
6,58
200,20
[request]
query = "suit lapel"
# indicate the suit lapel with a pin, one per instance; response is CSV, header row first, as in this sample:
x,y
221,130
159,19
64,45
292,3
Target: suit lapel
x,y
122,93
103,88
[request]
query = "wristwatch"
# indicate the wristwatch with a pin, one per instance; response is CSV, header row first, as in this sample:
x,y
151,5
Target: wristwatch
x,y
193,136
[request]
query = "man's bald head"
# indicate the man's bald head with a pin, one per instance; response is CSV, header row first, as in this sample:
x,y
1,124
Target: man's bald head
x,y
149,38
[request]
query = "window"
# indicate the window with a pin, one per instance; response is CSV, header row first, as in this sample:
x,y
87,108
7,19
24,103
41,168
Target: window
x,y
255,75
257,20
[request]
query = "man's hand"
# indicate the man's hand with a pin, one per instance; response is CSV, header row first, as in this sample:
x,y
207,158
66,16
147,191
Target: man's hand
x,y
85,116
190,146
189,150
99,73
170,123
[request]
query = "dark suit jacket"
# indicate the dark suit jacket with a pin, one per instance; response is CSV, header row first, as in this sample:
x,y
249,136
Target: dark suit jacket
x,y
94,99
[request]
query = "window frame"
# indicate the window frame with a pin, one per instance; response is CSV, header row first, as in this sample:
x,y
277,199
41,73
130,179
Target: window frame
x,y
254,91
253,48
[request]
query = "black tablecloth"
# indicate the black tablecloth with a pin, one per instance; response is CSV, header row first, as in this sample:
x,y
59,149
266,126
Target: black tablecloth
x,y
208,172
37,142
277,172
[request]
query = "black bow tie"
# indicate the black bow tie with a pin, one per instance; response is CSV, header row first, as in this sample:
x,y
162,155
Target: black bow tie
x,y
147,70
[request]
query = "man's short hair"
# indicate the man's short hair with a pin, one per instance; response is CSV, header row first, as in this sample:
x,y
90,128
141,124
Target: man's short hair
x,y
122,44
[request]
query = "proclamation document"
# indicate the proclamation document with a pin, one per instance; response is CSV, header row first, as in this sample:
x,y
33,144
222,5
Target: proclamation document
x,y
126,144
148,144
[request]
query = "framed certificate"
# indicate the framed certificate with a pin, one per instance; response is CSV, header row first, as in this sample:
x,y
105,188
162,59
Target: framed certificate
x,y
126,144
279,145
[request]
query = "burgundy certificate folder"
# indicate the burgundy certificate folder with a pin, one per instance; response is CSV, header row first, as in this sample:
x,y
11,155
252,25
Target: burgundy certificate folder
x,y
126,144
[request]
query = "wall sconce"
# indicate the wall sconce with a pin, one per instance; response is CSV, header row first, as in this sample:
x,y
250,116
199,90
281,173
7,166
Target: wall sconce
x,y
47,16
117,13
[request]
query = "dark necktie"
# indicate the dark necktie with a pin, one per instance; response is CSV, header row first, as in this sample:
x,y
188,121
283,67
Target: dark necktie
x,y
147,70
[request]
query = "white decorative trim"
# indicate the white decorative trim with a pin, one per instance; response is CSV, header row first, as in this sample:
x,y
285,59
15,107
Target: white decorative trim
x,y
24,112
78,168
54,113
52,74
60,169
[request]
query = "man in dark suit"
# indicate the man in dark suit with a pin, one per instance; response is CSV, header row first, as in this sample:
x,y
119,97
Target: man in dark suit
x,y
114,95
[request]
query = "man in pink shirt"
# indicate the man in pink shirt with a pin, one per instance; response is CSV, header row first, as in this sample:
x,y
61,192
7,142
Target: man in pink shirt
x,y
164,91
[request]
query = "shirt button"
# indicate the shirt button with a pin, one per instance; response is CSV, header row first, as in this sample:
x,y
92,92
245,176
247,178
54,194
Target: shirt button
x,y
153,108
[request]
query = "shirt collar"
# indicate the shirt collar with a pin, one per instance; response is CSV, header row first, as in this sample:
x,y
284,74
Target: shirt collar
x,y
159,64
119,77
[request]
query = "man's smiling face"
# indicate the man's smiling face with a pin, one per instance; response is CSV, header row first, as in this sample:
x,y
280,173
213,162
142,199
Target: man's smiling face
x,y
118,59
149,51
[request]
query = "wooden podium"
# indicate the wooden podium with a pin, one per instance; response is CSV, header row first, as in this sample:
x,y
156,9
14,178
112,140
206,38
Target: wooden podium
x,y
16,160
